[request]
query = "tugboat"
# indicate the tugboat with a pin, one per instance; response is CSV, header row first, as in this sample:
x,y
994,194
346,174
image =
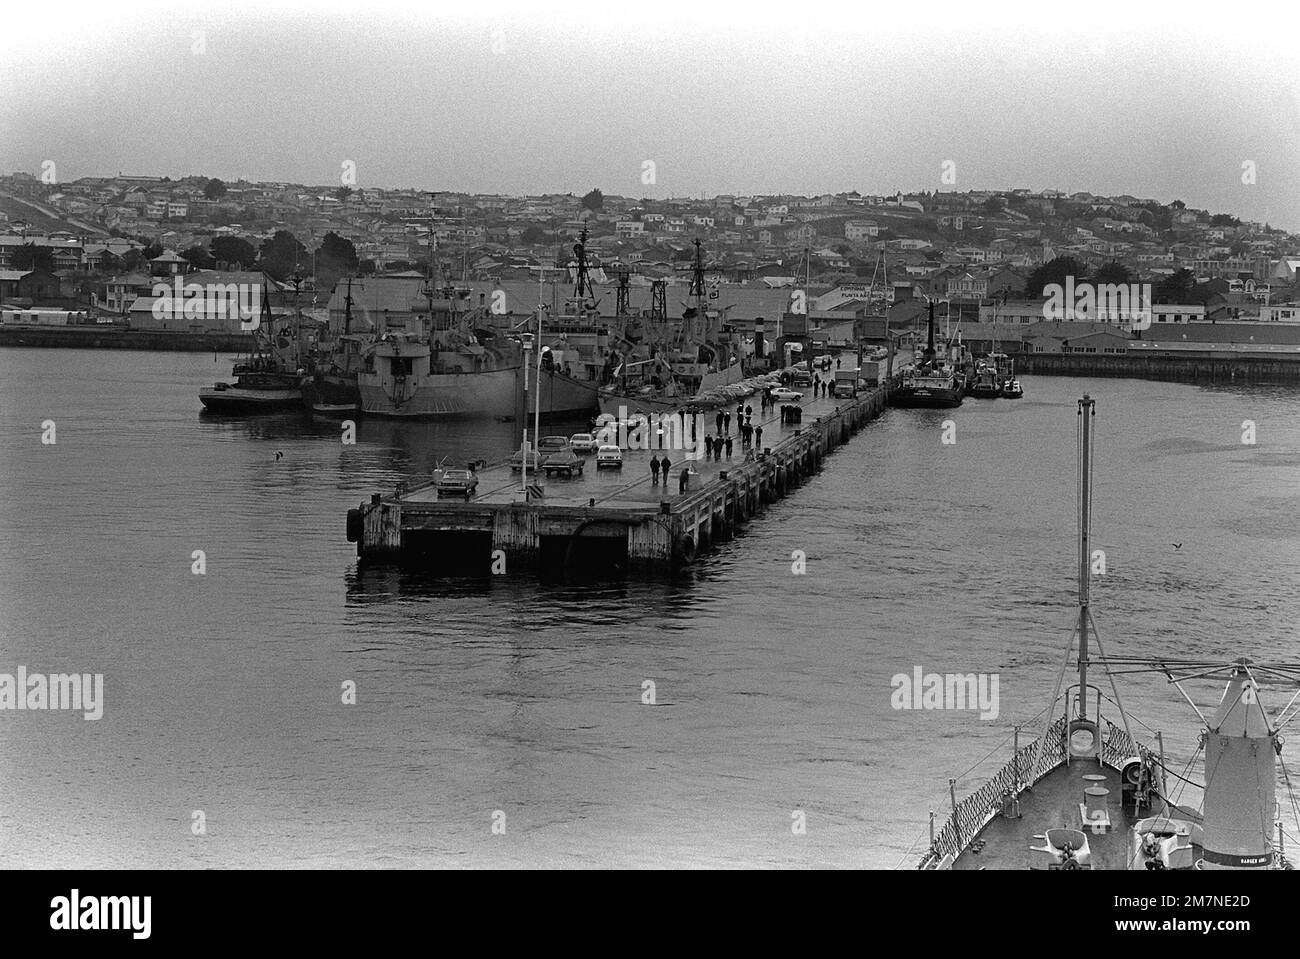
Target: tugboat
x,y
1087,795
1012,390
933,382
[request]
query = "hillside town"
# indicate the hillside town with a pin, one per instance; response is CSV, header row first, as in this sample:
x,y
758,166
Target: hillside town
x,y
94,250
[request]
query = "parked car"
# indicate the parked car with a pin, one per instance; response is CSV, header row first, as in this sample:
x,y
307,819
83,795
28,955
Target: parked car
x,y
552,444
458,483
781,394
564,461
583,443
517,461
609,457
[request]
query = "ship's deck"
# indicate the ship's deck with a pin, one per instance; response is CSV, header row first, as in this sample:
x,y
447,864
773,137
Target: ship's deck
x,y
1053,803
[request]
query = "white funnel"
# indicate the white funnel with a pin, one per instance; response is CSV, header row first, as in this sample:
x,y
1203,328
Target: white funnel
x,y
1241,785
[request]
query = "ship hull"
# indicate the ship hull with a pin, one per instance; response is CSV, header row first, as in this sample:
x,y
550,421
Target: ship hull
x,y
494,393
235,401
926,397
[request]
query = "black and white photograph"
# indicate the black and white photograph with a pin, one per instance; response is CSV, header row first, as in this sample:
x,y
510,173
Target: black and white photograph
x,y
665,436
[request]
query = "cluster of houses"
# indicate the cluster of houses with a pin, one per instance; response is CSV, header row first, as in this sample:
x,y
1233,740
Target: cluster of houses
x,y
861,261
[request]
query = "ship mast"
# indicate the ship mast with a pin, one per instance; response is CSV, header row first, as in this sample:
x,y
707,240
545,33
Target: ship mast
x,y
1087,410
1082,733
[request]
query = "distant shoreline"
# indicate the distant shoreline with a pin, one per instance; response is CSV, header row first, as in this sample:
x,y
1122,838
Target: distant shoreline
x,y
1236,369
99,338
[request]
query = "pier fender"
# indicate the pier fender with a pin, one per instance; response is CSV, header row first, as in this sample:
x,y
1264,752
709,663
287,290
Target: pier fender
x,y
683,551
355,525
742,505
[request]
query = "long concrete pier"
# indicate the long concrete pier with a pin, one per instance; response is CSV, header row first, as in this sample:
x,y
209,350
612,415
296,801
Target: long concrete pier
x,y
616,520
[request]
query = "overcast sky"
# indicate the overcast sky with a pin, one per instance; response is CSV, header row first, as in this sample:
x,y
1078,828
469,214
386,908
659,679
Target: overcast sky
x,y
1167,102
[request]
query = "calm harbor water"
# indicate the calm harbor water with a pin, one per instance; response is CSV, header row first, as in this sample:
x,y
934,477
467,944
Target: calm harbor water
x,y
223,692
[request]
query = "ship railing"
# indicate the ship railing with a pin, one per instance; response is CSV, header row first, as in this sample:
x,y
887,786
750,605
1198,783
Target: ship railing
x,y
974,812
1118,746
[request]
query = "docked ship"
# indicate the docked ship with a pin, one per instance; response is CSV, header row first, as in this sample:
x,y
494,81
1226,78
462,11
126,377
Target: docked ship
x,y
453,362
933,381
683,363
269,380
1087,794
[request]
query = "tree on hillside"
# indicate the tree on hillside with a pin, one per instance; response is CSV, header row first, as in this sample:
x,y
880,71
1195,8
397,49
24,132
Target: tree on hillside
x,y
281,255
342,193
132,260
335,257
366,267
153,250
29,257
198,257
1177,288
533,234
594,200
234,250
1112,272
214,189
1054,271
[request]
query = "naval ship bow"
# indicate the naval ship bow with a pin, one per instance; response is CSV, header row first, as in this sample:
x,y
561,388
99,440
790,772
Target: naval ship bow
x,y
1087,794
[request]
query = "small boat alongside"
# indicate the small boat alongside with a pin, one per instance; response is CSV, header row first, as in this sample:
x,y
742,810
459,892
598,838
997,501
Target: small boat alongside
x,y
261,386
985,385
334,411
1012,390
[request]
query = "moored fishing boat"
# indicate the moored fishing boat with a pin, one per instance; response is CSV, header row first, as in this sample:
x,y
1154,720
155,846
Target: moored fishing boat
x,y
269,380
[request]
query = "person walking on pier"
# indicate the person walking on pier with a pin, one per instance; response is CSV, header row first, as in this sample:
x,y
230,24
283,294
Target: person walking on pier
x,y
681,482
728,447
758,437
749,413
726,421
718,420
654,471
708,445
